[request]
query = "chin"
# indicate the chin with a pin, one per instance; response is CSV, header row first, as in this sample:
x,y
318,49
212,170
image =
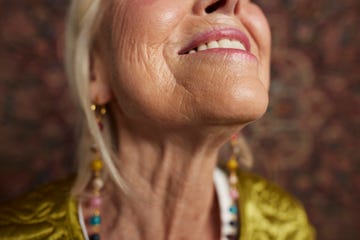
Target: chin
x,y
238,109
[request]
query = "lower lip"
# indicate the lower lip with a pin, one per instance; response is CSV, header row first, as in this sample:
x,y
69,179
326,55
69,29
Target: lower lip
x,y
224,51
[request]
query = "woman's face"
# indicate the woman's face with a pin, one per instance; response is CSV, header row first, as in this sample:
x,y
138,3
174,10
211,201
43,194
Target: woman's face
x,y
189,62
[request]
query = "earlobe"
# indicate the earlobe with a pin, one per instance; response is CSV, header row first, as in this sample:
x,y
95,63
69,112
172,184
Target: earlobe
x,y
99,86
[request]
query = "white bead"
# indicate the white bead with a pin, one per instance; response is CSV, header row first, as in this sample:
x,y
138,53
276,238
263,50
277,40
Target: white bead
x,y
98,183
233,179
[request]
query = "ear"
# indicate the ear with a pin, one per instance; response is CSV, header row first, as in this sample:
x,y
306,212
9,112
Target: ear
x,y
99,87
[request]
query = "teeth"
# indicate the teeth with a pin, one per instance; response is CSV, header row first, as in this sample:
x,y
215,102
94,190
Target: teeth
x,y
222,43
202,47
238,45
213,44
225,43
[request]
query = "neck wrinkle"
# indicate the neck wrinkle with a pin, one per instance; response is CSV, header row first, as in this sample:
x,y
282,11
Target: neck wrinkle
x,y
172,194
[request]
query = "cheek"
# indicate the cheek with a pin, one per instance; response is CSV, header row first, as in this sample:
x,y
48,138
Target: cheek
x,y
143,82
142,28
154,17
255,20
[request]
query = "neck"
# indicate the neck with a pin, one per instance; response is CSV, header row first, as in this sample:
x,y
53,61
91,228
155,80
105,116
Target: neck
x,y
170,178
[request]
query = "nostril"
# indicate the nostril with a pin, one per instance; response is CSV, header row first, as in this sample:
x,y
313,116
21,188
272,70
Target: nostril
x,y
214,6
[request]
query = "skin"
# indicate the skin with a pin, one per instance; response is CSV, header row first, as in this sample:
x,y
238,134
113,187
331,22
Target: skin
x,y
173,112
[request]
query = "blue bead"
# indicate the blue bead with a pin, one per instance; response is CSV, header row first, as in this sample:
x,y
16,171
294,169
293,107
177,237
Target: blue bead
x,y
94,236
95,220
233,209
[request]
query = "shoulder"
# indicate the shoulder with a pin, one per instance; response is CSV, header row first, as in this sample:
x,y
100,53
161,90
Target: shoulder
x,y
269,212
46,213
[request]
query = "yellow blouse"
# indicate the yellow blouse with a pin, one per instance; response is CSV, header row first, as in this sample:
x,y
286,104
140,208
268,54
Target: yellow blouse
x,y
266,213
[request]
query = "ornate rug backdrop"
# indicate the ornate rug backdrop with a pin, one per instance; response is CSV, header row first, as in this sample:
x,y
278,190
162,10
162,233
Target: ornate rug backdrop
x,y
307,142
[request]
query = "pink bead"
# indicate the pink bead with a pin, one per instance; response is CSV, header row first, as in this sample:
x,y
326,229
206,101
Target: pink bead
x,y
95,201
234,194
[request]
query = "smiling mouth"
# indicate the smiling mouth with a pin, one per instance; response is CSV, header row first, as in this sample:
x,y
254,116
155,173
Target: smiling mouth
x,y
224,43
218,38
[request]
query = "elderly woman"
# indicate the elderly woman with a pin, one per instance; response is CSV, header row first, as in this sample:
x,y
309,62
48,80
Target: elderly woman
x,y
163,85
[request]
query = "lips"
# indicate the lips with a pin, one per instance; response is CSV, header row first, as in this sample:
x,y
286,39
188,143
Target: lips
x,y
218,39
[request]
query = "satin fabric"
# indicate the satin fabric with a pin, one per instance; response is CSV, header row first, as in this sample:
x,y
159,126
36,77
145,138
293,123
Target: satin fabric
x,y
266,213
269,213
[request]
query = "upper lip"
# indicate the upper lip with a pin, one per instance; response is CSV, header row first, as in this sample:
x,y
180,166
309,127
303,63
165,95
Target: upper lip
x,y
217,34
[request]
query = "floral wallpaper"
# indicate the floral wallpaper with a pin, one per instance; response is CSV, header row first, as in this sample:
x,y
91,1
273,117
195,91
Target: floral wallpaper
x,y
307,142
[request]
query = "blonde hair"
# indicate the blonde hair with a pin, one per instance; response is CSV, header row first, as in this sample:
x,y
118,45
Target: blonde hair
x,y
83,23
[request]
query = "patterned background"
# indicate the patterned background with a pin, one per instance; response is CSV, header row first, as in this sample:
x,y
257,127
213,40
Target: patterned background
x,y
306,142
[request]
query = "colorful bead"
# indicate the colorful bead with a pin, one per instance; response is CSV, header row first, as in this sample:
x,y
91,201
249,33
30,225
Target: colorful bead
x,y
234,194
95,201
98,183
94,236
232,164
233,209
233,223
233,179
96,165
234,137
103,111
95,220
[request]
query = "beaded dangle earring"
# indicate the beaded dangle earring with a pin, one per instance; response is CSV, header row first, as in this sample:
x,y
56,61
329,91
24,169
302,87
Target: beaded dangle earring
x,y
232,166
97,182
